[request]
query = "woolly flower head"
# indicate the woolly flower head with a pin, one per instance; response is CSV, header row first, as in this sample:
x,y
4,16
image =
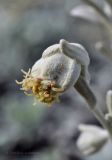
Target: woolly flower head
x,y
55,72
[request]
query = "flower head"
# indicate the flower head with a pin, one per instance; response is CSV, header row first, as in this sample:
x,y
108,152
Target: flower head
x,y
53,73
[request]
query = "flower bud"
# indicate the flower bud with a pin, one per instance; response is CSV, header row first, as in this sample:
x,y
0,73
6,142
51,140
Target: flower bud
x,y
92,139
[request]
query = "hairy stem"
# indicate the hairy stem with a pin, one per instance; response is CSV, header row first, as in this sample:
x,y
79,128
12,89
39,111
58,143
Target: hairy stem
x,y
83,88
105,19
97,8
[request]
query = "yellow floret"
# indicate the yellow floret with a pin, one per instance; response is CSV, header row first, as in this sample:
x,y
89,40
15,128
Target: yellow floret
x,y
45,91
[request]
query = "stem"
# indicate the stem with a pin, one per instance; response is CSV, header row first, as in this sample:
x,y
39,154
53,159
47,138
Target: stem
x,y
104,18
97,8
83,88
109,101
100,116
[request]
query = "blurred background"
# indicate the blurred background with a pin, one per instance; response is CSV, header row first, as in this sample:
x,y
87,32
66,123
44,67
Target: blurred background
x,y
27,28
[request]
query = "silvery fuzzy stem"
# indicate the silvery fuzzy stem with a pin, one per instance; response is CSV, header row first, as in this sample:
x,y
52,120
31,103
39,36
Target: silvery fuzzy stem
x,y
108,116
109,101
83,88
